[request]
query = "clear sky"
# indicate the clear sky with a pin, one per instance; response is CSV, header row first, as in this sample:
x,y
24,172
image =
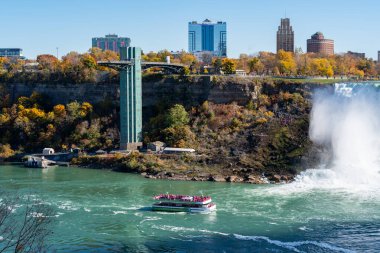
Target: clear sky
x,y
40,26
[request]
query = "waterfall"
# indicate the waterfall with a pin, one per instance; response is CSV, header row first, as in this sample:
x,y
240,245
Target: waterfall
x,y
347,124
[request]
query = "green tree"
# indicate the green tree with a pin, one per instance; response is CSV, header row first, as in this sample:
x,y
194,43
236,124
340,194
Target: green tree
x,y
217,63
177,116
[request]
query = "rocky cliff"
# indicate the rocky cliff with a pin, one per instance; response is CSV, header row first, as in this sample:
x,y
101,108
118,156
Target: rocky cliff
x,y
190,91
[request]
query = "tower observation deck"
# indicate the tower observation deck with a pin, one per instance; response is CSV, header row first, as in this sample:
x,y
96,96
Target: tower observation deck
x,y
131,67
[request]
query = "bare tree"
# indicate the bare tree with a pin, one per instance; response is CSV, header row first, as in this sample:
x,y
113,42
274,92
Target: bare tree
x,y
24,224
207,58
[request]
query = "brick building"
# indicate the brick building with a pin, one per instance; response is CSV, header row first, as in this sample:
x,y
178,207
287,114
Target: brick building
x,y
319,45
285,36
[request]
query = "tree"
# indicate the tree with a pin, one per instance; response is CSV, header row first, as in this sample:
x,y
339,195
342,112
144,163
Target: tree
x,y
25,228
217,63
163,54
88,61
185,71
207,58
177,116
6,151
59,110
269,61
322,67
186,58
106,55
179,136
256,66
47,62
228,66
243,62
286,62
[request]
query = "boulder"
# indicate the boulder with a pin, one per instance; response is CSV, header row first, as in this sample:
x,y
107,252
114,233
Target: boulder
x,y
217,178
169,174
231,179
234,179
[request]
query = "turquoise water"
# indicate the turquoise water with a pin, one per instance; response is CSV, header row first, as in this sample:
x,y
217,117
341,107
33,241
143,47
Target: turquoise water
x,y
103,211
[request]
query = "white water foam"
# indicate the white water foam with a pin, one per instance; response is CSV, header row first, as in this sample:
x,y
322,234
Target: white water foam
x,y
347,125
292,245
287,245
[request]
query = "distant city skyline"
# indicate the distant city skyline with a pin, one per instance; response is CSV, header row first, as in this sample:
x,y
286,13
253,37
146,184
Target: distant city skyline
x,y
42,26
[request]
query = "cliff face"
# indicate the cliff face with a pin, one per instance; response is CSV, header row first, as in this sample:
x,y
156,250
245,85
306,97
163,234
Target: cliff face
x,y
187,91
64,93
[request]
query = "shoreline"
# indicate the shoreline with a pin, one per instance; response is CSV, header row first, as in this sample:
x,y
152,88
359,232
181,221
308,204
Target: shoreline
x,y
198,175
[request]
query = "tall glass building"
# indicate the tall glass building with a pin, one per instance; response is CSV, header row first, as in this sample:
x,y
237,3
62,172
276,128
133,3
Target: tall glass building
x,y
111,42
208,36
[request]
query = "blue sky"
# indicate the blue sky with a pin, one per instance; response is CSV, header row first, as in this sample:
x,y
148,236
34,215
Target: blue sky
x,y
39,26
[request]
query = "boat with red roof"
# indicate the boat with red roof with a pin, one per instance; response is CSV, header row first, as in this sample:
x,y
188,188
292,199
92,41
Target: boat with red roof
x,y
183,203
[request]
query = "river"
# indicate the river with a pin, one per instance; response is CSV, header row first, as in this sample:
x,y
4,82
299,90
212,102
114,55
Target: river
x,y
104,211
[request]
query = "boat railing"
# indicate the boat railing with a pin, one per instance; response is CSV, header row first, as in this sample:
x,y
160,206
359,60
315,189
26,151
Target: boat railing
x,y
185,198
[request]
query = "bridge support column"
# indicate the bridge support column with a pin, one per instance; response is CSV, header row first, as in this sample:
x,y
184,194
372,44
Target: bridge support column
x,y
131,100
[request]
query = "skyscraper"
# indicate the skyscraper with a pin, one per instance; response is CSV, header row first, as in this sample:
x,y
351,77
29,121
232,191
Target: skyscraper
x,y
378,57
285,36
208,37
111,42
319,45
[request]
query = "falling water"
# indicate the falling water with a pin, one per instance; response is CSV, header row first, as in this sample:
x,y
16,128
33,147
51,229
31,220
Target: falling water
x,y
346,124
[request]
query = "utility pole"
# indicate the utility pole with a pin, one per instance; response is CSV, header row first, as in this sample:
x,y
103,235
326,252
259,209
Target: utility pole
x,y
57,53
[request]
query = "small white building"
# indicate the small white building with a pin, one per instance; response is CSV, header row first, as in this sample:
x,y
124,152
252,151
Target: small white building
x,y
240,72
48,151
156,146
178,150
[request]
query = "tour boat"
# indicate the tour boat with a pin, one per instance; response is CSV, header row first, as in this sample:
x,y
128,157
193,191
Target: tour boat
x,y
183,203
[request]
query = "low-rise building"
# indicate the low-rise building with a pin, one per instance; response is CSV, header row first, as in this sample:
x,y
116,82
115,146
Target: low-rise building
x,y
357,55
169,150
240,72
11,52
156,146
48,151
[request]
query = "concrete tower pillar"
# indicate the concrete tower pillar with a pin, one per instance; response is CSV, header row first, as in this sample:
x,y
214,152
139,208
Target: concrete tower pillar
x,y
131,99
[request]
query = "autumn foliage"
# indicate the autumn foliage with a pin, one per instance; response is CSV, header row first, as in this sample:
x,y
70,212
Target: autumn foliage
x,y
31,125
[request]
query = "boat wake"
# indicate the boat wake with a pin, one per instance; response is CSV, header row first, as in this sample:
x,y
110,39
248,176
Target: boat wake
x,y
296,246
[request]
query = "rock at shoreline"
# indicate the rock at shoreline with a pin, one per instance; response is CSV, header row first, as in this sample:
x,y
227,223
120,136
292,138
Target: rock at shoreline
x,y
234,179
217,178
